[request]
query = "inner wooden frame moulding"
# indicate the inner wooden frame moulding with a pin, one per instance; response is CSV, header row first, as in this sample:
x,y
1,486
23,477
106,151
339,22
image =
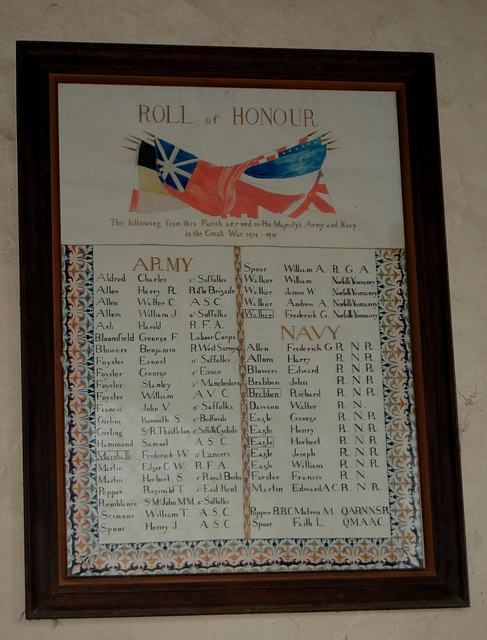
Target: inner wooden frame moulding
x,y
238,388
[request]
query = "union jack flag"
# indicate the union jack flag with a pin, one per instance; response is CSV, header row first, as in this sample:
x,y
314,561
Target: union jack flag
x,y
287,181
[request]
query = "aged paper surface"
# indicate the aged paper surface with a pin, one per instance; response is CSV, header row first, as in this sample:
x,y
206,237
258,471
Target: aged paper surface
x,y
239,391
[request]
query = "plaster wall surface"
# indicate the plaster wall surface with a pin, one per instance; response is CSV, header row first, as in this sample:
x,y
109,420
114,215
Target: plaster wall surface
x,y
455,31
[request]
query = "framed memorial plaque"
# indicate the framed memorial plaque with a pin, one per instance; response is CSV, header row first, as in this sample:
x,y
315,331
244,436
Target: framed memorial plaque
x,y
238,376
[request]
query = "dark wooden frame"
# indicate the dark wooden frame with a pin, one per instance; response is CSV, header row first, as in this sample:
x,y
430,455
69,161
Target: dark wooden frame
x,y
443,583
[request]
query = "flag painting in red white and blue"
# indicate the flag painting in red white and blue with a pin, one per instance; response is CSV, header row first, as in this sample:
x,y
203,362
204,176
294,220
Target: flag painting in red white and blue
x,y
287,181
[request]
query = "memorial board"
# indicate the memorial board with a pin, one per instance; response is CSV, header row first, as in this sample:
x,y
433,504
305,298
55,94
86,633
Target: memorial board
x,y
237,254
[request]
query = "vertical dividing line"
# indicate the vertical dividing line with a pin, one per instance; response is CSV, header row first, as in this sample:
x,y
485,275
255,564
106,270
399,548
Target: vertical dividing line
x,y
244,425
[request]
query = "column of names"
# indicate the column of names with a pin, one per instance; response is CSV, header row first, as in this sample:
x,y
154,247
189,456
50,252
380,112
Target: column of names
x,y
168,403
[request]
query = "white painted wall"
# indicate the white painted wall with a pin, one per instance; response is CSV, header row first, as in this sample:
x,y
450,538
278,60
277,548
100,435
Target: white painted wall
x,y
455,31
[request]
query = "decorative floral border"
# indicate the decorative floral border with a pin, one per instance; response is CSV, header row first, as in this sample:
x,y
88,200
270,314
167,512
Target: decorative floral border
x,y
397,381
87,557
242,368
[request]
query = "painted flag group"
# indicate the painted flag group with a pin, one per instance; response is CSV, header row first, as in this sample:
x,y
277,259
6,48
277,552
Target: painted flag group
x,y
287,181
